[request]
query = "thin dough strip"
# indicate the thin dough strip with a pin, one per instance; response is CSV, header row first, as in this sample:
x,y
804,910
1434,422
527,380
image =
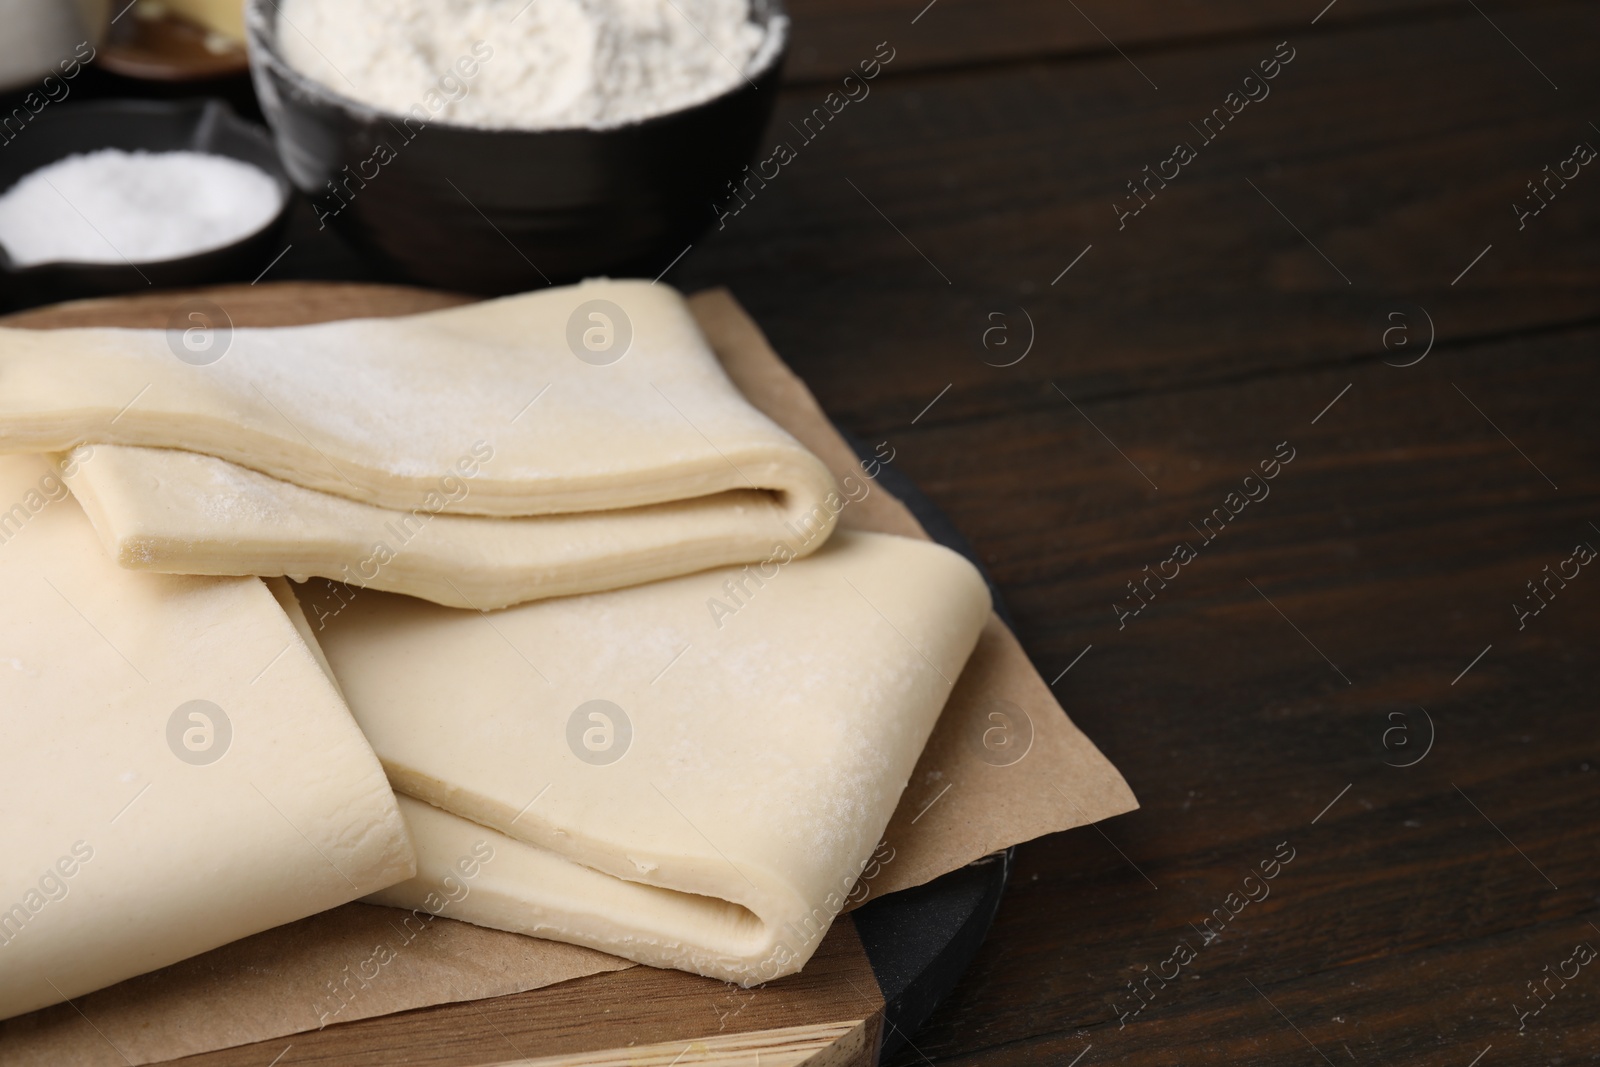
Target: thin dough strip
x,y
183,513
531,890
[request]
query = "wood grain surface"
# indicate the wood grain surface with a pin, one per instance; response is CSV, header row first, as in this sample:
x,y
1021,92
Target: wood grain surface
x,y
1270,693
828,33
1344,672
828,1016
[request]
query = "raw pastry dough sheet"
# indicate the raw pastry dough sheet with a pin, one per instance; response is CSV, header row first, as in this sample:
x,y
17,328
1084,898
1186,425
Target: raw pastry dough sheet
x,y
755,729
178,771
389,411
177,512
1062,782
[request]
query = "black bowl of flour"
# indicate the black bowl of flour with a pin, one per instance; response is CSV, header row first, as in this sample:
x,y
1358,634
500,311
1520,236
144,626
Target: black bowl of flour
x,y
496,211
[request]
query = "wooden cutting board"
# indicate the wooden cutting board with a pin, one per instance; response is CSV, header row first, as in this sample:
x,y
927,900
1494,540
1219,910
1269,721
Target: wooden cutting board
x,y
829,1016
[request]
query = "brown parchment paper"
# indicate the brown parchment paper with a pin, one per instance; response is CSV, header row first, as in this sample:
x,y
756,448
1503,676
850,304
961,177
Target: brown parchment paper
x,y
1004,765
966,798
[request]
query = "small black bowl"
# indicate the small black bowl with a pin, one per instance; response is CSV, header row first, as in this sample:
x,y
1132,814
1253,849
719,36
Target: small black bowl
x,y
496,211
153,126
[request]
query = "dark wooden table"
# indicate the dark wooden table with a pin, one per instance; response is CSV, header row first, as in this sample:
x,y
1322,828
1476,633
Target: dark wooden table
x,y
1359,617
1350,670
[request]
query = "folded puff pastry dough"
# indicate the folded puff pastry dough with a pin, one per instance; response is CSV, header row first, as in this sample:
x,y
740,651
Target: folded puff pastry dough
x,y
767,721
175,512
137,834
470,456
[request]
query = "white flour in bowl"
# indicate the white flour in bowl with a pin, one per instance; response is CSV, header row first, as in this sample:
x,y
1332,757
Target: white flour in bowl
x,y
526,64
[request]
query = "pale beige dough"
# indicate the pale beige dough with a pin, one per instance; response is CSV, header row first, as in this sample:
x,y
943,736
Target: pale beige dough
x,y
119,856
391,411
775,714
497,881
181,512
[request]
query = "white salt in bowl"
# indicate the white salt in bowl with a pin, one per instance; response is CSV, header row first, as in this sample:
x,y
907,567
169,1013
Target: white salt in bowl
x,y
206,126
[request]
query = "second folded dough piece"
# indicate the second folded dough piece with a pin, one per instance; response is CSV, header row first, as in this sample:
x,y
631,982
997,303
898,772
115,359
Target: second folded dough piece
x,y
174,512
691,773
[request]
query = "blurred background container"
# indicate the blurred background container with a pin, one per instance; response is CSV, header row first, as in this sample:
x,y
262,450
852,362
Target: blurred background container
x,y
36,36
